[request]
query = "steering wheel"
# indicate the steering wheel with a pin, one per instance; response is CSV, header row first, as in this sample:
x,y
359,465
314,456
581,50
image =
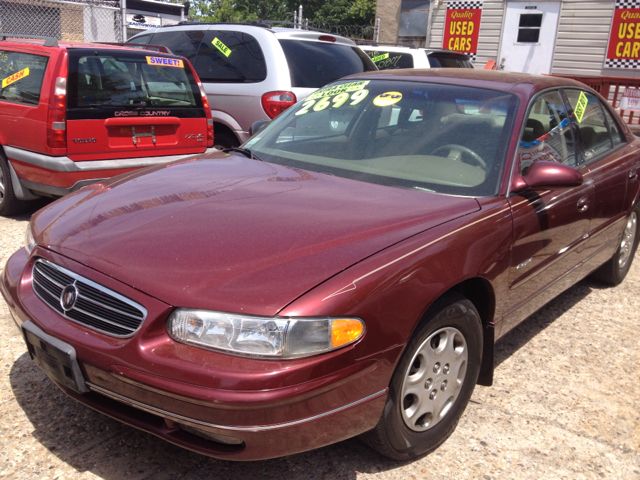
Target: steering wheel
x,y
456,149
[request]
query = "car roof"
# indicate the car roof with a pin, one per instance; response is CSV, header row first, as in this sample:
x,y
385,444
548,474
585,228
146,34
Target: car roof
x,y
493,79
28,42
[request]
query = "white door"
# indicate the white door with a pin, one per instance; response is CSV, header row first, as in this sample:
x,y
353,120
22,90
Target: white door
x,y
529,36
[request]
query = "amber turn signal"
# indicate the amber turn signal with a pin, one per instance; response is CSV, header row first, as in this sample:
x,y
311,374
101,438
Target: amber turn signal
x,y
345,330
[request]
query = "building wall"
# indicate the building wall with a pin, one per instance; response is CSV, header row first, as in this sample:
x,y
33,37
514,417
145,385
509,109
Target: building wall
x,y
581,44
388,11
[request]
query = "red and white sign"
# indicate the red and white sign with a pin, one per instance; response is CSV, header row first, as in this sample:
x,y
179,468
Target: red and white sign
x,y
630,100
462,26
624,38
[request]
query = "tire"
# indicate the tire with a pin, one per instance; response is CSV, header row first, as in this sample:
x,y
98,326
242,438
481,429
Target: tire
x,y
617,267
224,140
432,383
9,204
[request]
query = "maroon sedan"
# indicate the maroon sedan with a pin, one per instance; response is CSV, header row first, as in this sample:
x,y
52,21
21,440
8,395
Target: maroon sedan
x,y
346,272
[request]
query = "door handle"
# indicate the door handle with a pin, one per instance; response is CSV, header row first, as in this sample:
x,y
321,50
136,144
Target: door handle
x,y
633,173
583,203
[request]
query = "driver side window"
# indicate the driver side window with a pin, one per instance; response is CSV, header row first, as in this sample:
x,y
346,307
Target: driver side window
x,y
547,133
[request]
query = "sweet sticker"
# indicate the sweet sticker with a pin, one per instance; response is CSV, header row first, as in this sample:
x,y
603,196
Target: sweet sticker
x,y
380,57
226,51
387,98
581,107
15,77
165,62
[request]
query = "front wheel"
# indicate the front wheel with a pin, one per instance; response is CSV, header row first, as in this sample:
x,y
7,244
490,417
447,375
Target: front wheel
x,y
614,271
433,381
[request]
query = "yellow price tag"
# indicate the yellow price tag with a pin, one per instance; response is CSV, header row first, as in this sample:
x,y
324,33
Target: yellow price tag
x,y
226,51
15,77
581,106
165,62
380,57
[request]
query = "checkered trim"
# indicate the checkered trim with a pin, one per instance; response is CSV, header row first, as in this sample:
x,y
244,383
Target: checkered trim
x,y
472,56
621,63
476,5
627,3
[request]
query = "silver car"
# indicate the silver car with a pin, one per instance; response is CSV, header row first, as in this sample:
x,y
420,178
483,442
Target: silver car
x,y
255,71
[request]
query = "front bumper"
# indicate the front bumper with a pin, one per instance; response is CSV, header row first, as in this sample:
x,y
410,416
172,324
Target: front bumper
x,y
222,406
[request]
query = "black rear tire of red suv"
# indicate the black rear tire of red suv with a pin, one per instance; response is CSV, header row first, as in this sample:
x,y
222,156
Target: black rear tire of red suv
x,y
9,204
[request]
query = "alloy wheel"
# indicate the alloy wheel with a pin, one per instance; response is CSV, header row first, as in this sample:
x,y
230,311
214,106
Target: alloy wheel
x,y
628,238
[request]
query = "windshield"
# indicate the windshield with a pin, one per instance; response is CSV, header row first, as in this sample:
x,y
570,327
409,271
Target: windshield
x,y
432,137
115,78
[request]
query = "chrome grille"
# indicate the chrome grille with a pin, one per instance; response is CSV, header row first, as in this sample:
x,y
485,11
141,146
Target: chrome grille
x,y
95,306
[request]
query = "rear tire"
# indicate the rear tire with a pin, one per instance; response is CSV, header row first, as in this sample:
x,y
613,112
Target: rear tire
x,y
614,271
224,140
9,204
433,381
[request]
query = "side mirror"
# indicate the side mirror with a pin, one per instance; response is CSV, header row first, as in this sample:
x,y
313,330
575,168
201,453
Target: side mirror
x,y
257,126
545,175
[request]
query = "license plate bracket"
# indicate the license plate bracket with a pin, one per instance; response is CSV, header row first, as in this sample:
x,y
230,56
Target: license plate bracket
x,y
54,357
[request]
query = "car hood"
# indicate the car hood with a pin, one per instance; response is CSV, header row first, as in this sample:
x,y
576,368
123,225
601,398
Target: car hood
x,y
229,233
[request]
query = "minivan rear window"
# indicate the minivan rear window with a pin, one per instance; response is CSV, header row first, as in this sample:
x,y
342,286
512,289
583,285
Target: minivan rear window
x,y
113,78
314,64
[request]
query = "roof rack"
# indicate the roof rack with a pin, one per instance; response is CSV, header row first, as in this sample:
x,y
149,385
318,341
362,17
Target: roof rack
x,y
373,43
255,23
140,46
48,41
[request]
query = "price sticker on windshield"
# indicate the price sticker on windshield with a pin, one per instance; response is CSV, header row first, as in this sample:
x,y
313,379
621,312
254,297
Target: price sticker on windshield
x,y
165,62
335,101
15,77
581,107
226,51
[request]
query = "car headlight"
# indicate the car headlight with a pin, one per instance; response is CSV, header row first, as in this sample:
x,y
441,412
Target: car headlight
x,y
29,242
262,336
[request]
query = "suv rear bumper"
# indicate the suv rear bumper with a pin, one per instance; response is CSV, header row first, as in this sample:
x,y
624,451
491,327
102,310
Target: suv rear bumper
x,y
59,176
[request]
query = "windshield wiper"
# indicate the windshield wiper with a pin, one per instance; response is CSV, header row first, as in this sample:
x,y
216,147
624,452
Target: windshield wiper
x,y
245,151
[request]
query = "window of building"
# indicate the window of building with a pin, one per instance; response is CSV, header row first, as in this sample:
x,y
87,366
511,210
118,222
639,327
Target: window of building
x,y
529,27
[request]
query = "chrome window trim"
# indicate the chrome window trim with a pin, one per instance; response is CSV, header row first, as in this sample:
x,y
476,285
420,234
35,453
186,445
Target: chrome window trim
x,y
97,286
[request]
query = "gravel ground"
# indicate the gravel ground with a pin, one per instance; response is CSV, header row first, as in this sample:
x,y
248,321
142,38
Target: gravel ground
x,y
565,404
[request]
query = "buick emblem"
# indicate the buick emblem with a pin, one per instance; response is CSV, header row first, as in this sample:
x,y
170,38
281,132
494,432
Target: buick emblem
x,y
68,297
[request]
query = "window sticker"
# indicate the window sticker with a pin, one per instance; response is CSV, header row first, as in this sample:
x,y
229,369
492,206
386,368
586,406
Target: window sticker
x,y
226,51
15,77
335,101
387,98
165,62
581,106
380,57
337,89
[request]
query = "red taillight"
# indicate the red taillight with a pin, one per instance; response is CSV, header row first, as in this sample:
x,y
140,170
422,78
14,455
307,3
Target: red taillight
x,y
326,38
207,112
57,116
274,103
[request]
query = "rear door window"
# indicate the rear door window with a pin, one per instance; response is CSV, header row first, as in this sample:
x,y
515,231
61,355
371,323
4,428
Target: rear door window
x,y
129,79
314,64
228,56
437,60
21,75
386,60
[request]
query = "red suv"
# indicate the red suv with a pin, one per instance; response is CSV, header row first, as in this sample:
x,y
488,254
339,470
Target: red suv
x,y
73,113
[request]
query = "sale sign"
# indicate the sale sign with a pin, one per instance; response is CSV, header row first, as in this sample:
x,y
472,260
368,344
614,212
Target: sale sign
x,y
624,38
630,100
462,26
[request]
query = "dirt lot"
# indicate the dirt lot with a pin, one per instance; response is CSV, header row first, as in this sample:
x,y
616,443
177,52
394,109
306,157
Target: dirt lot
x,y
565,404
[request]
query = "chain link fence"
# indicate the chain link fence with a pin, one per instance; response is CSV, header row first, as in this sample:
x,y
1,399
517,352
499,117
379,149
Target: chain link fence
x,y
88,21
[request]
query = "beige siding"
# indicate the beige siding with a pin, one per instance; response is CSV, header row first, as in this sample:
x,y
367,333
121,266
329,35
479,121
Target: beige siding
x,y
583,34
490,29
